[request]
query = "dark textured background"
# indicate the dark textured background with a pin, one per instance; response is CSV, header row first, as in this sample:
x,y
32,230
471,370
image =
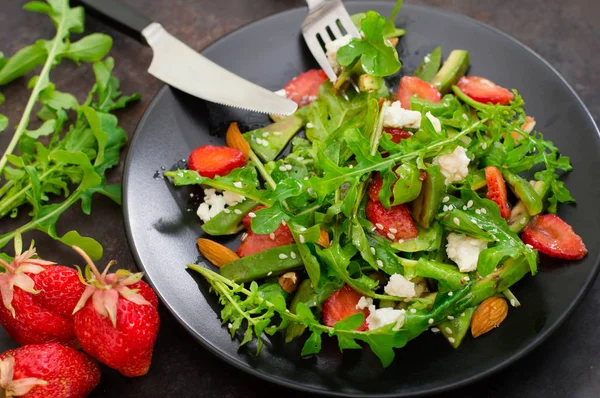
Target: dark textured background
x,y
562,32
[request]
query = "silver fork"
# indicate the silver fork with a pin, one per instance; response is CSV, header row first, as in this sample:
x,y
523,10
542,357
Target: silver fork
x,y
324,23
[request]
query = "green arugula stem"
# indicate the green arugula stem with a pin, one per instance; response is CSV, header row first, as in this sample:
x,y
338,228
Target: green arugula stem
x,y
41,81
6,203
261,169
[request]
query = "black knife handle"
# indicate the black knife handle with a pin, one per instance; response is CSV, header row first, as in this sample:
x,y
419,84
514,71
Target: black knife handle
x,y
119,15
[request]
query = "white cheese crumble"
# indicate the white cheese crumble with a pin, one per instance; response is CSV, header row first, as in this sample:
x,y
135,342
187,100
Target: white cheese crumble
x,y
437,126
396,116
364,302
464,250
332,48
399,286
454,166
214,203
385,316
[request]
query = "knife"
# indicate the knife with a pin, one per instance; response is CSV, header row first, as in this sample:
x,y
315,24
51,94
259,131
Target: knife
x,y
181,67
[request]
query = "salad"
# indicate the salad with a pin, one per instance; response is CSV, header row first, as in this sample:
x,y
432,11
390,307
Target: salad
x,y
373,215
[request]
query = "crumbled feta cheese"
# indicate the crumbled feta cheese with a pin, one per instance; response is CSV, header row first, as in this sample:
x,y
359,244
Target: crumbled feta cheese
x,y
212,205
437,126
364,302
396,116
454,166
385,316
232,199
464,250
399,286
332,48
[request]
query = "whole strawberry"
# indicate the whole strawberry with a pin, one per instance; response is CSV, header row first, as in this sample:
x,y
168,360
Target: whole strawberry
x,y
47,370
38,299
116,320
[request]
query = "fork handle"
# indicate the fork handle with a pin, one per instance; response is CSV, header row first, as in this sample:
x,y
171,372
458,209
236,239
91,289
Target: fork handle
x,y
314,4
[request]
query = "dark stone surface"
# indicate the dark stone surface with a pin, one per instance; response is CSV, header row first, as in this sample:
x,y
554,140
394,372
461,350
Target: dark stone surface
x,y
564,33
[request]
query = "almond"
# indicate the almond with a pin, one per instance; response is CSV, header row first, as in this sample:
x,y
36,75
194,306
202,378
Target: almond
x,y
393,41
235,139
289,281
216,253
489,315
323,239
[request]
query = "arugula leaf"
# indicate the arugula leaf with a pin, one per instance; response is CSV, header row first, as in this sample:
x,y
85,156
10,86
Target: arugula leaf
x,y
389,29
91,48
377,56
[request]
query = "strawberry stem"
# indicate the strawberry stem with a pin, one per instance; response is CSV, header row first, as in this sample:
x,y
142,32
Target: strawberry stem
x,y
90,263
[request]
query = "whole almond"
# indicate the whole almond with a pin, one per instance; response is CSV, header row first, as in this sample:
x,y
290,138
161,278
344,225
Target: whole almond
x,y
323,239
289,281
235,139
216,253
489,315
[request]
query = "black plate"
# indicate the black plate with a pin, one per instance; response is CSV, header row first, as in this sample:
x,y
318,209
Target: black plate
x,y
162,230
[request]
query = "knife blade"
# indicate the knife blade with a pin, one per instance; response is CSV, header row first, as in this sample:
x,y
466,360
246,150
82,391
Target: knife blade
x,y
181,67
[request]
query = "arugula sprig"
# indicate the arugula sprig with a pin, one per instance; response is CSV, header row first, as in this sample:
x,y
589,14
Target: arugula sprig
x,y
77,155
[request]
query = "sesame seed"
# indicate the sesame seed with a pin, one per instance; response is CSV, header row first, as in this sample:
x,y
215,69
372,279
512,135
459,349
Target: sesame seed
x,y
445,208
277,133
229,325
465,207
191,195
446,199
301,239
272,235
483,211
400,240
451,340
379,263
302,229
237,184
289,167
448,330
450,318
372,250
478,211
513,302
227,211
293,254
351,166
483,146
450,207
237,211
470,203
435,330
373,229
310,191
528,246
430,321
463,314
464,116
283,223
450,294
393,230
265,134
270,273
379,226
244,236
283,256
391,236
282,168
310,125
466,278
306,178
413,311
456,221
251,214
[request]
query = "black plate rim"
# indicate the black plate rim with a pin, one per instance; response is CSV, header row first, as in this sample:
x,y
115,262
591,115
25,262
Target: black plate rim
x,y
298,386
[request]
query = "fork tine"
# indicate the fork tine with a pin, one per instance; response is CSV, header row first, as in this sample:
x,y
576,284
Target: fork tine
x,y
348,25
315,48
335,29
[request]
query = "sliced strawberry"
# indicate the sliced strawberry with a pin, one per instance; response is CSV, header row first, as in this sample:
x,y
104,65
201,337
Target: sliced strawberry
x,y
375,187
394,223
410,85
209,160
341,304
304,88
497,190
397,134
484,90
552,236
254,243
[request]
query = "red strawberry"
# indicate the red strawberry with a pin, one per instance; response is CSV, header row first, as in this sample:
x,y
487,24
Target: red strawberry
x,y
119,325
209,160
304,88
394,223
397,134
31,316
484,90
375,187
342,304
47,370
254,243
410,85
552,236
497,190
